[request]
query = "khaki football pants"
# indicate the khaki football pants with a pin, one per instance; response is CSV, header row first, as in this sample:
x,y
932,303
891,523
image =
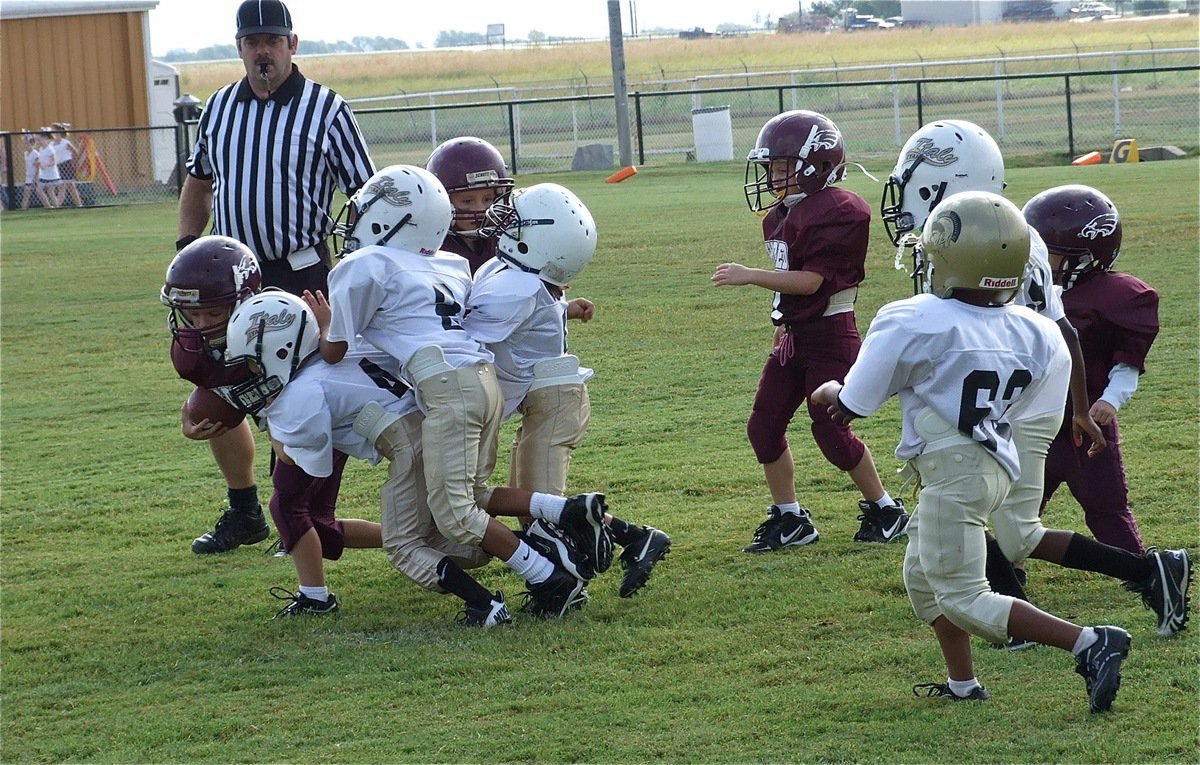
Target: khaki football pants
x,y
1018,523
410,537
554,420
944,564
463,409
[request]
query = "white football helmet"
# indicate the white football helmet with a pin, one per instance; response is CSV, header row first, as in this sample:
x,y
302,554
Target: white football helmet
x,y
273,333
402,206
976,241
544,229
941,159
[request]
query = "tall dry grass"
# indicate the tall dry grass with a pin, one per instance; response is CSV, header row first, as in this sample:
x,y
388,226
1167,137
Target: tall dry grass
x,y
394,73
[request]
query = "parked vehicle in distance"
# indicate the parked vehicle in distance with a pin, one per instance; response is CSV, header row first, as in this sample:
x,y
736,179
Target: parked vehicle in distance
x,y
1090,8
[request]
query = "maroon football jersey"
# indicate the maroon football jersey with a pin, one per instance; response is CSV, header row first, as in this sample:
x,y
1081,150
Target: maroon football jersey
x,y
826,233
208,370
461,245
1116,316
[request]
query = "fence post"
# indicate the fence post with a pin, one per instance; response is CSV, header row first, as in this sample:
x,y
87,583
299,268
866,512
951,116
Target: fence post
x,y
10,190
1070,120
780,94
637,116
920,107
181,131
1000,82
433,140
896,108
1116,89
512,137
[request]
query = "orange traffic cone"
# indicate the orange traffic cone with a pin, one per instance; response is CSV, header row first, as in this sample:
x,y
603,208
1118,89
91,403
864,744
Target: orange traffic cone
x,y
622,174
1091,158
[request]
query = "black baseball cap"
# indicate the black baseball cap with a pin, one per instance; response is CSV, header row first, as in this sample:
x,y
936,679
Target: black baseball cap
x,y
263,17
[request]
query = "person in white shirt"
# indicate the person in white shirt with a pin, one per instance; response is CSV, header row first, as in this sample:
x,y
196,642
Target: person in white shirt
x,y
64,156
32,185
958,359
309,407
49,179
943,158
544,237
396,292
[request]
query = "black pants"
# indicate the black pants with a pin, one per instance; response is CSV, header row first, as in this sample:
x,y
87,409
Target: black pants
x,y
279,273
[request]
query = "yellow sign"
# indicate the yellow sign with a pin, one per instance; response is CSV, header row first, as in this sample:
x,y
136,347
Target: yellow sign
x,y
1124,150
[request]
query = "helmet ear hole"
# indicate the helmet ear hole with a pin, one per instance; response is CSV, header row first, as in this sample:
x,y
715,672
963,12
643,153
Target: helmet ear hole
x,y
522,248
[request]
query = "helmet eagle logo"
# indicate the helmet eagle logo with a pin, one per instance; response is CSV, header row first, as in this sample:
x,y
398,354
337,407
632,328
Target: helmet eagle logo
x,y
1101,225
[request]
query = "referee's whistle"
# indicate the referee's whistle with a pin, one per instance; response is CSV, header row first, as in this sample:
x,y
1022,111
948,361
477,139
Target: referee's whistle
x,y
262,70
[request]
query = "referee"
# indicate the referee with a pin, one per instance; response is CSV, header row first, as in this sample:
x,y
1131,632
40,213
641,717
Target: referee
x,y
270,150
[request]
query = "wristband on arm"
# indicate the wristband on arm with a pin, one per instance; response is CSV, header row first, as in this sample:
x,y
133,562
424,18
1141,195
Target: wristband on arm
x,y
184,241
849,415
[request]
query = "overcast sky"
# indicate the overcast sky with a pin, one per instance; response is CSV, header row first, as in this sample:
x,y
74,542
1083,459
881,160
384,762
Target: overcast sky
x,y
192,25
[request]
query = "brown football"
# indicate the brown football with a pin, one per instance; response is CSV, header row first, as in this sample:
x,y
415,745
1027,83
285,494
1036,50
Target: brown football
x,y
203,404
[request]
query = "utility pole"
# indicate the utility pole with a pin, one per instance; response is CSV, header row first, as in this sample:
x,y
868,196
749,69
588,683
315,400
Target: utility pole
x,y
616,44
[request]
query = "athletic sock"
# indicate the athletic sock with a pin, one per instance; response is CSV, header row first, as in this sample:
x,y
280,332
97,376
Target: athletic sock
x,y
884,501
547,506
529,564
789,507
458,582
1087,554
245,500
962,688
315,593
1086,637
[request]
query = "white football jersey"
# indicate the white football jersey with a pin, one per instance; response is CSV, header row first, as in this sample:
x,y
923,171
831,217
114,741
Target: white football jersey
x,y
314,413
967,363
401,302
513,313
1037,286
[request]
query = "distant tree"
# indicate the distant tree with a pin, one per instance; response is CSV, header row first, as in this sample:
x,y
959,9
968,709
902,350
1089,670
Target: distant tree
x,y
228,50
537,37
1151,6
370,44
449,38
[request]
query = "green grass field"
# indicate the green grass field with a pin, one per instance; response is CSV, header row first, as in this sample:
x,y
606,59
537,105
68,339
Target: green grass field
x,y
121,646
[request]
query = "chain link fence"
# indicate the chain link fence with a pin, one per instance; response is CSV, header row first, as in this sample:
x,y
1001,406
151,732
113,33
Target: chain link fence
x,y
1036,117
114,166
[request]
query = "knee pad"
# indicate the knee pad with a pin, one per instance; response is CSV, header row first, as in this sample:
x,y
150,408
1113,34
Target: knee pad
x,y
459,530
1017,537
841,447
768,437
982,613
418,562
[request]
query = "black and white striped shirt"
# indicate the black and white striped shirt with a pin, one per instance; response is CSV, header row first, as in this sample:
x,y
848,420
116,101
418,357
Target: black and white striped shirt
x,y
274,162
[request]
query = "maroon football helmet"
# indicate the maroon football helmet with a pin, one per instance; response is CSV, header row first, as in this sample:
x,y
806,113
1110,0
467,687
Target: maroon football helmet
x,y
470,163
1079,224
211,271
808,138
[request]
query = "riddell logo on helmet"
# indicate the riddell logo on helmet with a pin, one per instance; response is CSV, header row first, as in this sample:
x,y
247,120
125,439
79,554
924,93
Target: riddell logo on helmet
x,y
1101,225
999,282
930,154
